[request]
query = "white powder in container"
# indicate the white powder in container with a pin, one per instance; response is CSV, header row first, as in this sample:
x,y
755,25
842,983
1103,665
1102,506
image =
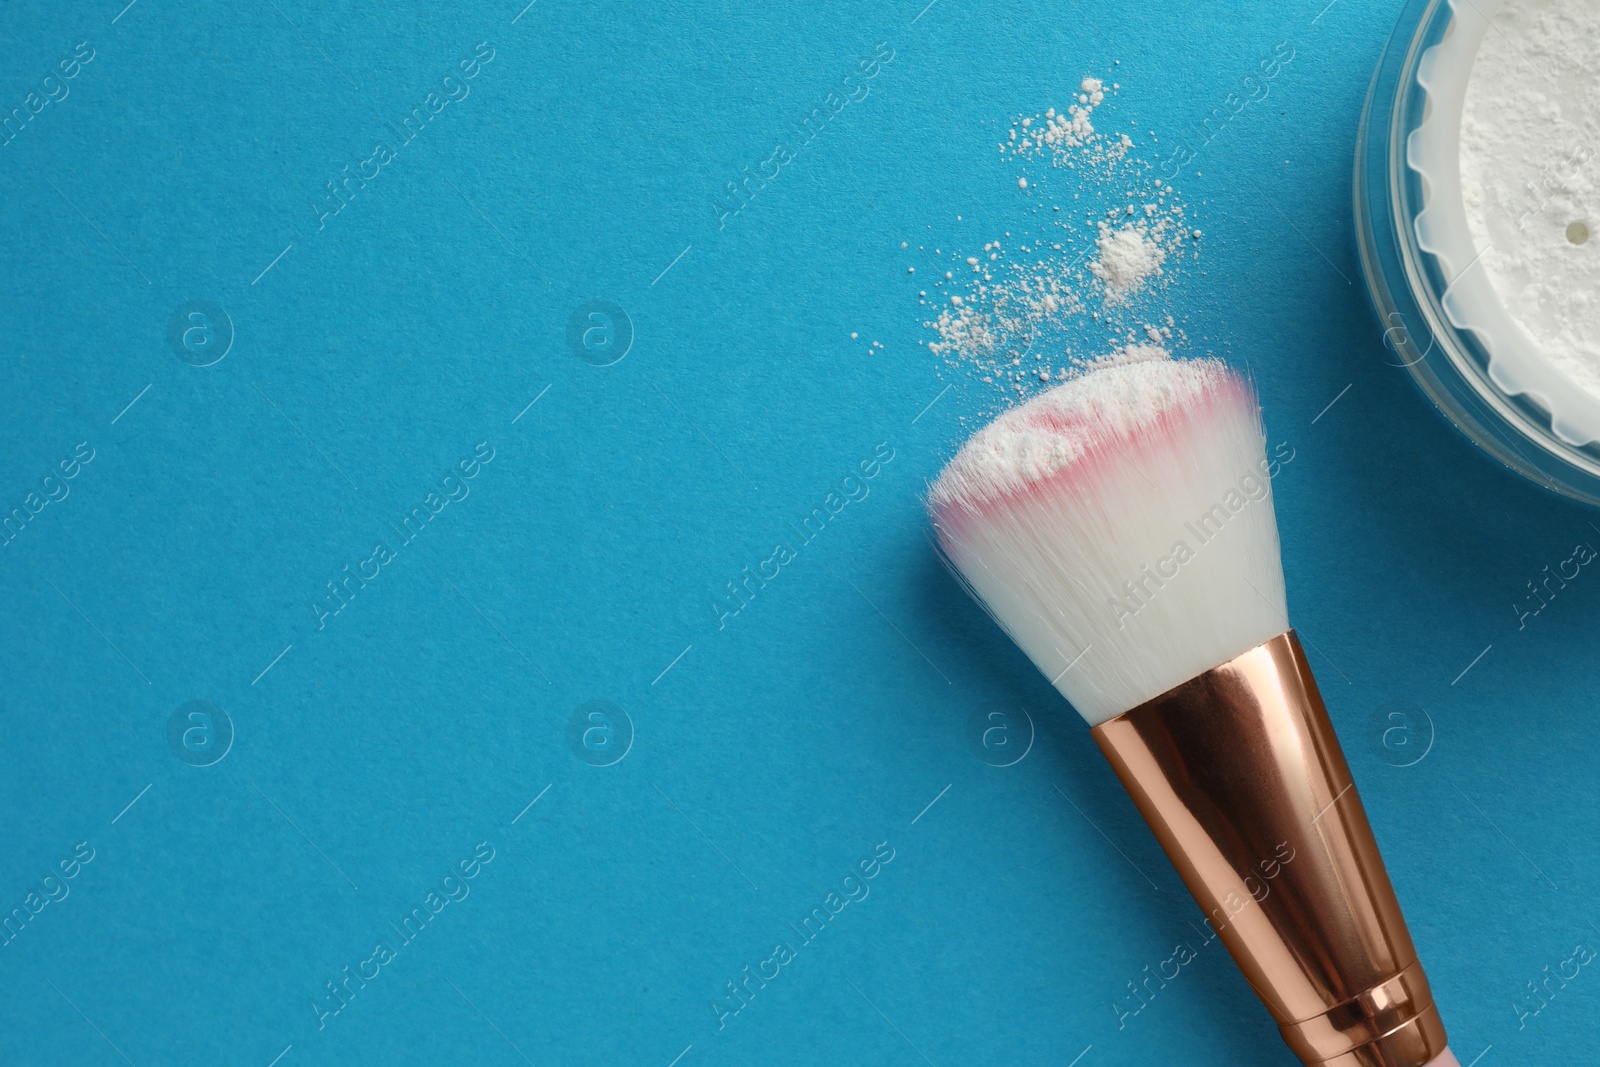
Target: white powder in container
x,y
1530,173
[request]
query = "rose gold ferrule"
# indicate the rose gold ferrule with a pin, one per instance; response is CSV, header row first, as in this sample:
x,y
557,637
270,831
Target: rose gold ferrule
x,y
1240,775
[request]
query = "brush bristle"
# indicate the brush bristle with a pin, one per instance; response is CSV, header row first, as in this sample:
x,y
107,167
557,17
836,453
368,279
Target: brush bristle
x,y
1120,528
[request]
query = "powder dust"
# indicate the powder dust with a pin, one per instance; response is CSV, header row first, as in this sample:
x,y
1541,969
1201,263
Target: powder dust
x,y
1080,282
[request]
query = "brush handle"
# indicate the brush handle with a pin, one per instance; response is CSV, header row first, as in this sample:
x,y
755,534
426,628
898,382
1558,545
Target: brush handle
x,y
1241,777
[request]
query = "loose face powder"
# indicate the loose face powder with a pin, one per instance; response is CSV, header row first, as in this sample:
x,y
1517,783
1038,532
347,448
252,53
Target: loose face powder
x,y
1530,175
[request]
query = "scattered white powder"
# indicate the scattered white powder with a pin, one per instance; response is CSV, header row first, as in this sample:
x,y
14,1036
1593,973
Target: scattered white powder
x,y
1035,440
1129,257
1099,242
1059,134
1529,174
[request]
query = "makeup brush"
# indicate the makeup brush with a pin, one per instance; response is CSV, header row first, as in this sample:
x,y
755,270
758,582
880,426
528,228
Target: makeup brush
x,y
1120,529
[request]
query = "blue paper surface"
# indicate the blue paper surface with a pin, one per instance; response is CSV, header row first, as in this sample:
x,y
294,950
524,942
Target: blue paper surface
x,y
365,697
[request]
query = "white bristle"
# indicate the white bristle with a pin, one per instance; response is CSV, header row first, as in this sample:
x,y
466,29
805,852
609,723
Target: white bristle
x,y
1120,528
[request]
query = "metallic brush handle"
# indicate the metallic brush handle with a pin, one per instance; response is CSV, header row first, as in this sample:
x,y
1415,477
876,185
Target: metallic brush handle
x,y
1240,774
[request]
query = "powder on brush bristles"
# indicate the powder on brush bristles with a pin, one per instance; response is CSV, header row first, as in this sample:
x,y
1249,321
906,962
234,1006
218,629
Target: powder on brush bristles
x,y
1120,528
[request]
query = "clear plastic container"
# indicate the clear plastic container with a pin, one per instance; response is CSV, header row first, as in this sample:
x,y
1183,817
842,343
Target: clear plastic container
x,y
1443,321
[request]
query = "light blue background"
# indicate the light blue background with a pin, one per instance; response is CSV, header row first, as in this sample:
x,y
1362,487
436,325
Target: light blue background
x,y
777,752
